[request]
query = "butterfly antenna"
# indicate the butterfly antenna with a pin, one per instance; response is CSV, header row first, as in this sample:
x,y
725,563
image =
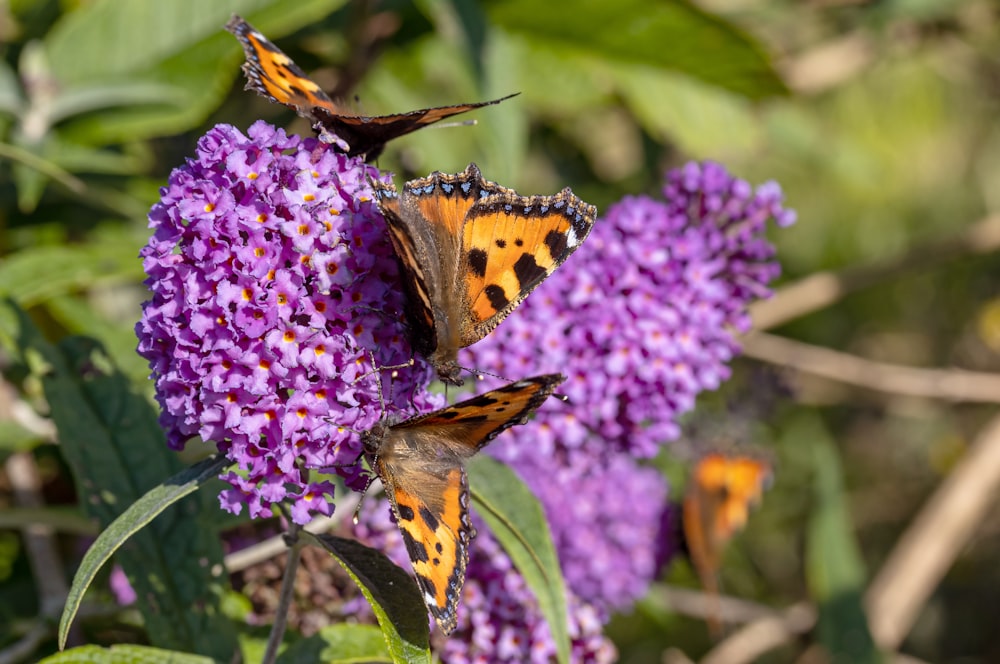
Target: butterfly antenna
x,y
478,374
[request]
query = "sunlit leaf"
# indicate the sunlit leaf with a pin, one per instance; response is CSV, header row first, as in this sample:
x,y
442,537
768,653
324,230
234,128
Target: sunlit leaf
x,y
516,519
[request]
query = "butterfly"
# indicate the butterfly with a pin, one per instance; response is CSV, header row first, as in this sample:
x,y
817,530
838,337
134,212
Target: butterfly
x,y
716,506
471,251
272,74
420,463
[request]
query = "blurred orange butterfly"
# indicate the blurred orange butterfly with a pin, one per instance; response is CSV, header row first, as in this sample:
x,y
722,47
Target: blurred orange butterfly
x,y
421,465
471,251
274,75
717,501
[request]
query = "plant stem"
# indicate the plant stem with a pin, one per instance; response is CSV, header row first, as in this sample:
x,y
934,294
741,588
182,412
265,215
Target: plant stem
x,y
285,598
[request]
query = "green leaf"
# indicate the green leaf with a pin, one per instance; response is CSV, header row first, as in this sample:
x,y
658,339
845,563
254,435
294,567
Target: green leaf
x,y
170,63
111,441
700,119
834,569
130,522
62,519
77,316
124,654
392,593
67,269
675,35
339,644
15,438
518,522
11,101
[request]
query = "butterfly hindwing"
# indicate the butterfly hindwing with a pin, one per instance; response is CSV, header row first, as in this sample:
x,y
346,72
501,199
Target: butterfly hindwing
x,y
420,463
272,74
434,521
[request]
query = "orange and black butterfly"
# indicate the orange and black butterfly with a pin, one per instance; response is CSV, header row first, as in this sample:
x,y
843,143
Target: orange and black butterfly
x,y
421,465
717,501
471,251
274,75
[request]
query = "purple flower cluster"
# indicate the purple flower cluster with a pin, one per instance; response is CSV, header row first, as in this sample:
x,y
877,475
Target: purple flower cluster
x,y
642,319
605,521
498,618
644,316
269,267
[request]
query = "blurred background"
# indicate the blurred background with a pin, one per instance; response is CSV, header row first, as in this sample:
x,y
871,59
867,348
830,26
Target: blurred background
x,y
879,120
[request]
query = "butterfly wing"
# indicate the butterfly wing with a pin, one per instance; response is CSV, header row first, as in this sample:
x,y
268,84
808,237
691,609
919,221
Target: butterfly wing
x,y
431,505
420,463
425,225
511,244
470,425
368,135
716,505
272,74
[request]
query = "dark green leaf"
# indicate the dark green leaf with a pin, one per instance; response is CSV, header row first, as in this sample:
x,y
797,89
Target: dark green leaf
x,y
124,654
834,568
392,593
339,644
518,522
671,35
130,522
110,439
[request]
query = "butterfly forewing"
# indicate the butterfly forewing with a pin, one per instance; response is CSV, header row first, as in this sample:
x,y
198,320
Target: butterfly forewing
x,y
274,75
512,243
420,463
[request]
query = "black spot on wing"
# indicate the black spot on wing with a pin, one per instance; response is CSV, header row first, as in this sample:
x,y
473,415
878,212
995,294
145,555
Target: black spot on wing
x,y
429,518
405,513
482,401
417,551
472,419
477,261
557,244
527,270
496,296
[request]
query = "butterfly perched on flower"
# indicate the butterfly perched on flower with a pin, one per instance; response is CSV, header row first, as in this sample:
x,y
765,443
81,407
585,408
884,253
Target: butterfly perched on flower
x,y
274,75
717,501
421,465
471,251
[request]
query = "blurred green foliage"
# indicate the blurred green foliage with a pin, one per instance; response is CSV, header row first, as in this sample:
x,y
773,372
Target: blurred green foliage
x,y
879,119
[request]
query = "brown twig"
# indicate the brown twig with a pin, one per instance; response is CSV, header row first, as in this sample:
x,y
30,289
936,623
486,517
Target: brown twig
x,y
935,538
272,546
822,289
700,604
948,384
762,635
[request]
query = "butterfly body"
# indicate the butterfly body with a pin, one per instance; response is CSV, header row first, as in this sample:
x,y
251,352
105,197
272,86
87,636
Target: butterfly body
x,y
421,463
471,251
274,75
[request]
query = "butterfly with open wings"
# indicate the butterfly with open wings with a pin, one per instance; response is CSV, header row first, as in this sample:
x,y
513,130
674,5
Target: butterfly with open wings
x,y
471,251
421,465
274,75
